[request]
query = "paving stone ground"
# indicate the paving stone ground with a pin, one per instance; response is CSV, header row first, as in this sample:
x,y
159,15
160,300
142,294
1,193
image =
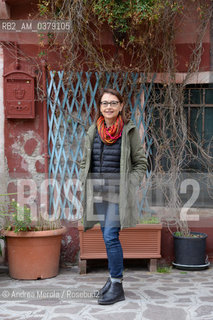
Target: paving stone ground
x,y
176,295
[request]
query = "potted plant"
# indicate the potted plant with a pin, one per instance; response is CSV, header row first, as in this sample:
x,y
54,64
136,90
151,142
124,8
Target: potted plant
x,y
181,158
189,246
33,247
140,242
190,251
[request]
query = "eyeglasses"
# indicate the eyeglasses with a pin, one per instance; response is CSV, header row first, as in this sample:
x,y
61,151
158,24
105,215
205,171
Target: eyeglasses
x,y
111,103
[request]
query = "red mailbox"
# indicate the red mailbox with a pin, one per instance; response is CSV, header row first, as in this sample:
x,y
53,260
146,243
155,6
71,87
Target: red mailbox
x,y
19,95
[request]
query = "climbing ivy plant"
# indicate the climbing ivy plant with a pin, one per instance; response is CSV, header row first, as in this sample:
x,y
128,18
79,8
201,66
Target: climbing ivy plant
x,y
125,16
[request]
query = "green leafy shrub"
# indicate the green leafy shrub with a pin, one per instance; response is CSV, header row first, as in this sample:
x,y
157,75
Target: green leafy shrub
x,y
21,218
14,217
150,220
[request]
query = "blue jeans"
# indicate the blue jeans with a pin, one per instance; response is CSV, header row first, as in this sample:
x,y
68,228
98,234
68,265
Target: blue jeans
x,y
110,227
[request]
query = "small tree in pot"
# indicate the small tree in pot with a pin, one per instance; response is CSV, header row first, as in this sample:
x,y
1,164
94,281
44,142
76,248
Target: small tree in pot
x,y
181,164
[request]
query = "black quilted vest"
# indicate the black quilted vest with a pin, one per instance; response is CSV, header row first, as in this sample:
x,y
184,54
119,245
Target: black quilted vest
x,y
105,163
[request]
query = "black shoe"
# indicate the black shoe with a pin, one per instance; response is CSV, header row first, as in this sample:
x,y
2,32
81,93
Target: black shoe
x,y
114,294
105,288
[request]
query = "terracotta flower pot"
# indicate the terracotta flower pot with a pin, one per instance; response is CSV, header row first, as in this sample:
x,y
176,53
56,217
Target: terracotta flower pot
x,y
33,254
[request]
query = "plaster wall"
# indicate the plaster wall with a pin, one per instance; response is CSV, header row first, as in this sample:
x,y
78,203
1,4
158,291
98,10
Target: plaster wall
x,y
187,26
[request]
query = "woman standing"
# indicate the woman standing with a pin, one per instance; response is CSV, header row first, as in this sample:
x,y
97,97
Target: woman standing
x,y
113,166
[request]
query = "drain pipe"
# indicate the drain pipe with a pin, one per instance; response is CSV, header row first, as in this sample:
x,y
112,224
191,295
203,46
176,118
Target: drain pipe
x,y
211,44
46,155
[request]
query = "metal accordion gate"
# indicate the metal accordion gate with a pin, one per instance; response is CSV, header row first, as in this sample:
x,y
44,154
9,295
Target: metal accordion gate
x,y
71,106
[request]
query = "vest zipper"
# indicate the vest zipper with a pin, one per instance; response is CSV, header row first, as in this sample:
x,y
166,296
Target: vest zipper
x,y
101,157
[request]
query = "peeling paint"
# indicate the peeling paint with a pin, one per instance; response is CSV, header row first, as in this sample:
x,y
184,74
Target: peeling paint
x,y
24,165
69,239
21,164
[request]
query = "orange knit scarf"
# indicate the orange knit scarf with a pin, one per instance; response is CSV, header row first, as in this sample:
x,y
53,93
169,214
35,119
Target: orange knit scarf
x,y
110,135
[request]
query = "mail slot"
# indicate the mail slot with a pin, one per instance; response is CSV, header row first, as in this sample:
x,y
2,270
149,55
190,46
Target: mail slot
x,y
19,95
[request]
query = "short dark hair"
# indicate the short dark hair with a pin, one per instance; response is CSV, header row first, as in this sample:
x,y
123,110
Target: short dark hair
x,y
114,93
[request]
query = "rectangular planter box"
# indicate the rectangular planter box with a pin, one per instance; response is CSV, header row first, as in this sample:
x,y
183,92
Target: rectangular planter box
x,y
141,242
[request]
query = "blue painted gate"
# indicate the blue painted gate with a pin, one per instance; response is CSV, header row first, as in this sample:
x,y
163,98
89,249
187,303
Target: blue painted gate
x,y
71,105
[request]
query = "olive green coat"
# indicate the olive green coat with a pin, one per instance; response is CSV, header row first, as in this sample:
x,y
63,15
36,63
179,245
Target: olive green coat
x,y
133,165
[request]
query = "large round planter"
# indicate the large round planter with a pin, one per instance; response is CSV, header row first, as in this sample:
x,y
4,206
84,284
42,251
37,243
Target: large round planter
x,y
33,254
190,252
